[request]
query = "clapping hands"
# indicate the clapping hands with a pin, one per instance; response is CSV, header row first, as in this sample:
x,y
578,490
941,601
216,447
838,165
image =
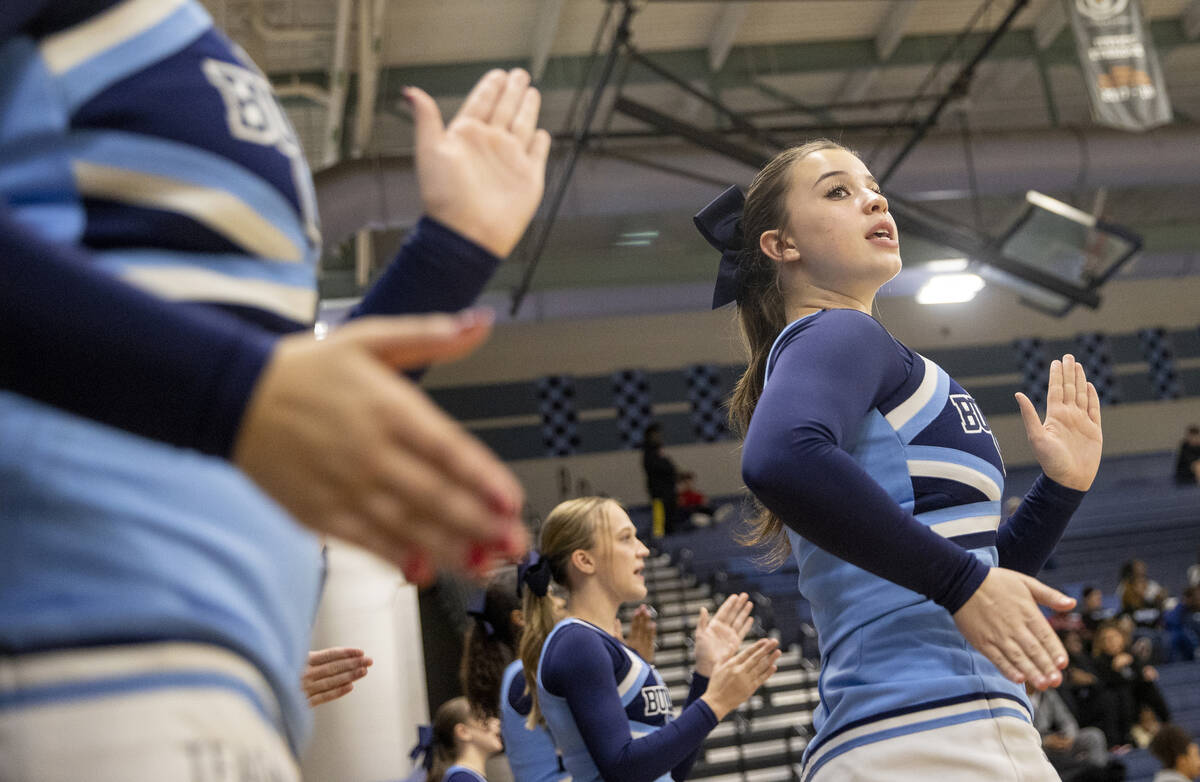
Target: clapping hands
x,y
720,636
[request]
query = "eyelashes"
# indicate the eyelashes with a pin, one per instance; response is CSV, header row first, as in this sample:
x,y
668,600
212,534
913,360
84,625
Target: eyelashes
x,y
841,191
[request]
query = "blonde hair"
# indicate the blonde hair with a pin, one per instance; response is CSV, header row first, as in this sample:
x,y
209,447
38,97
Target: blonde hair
x,y
571,526
761,316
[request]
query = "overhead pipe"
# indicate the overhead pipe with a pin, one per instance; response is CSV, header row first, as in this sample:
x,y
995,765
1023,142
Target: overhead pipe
x,y
331,149
382,192
283,35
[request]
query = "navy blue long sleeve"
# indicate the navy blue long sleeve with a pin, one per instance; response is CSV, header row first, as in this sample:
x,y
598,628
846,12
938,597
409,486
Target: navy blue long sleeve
x,y
90,344
698,686
1027,539
581,671
436,270
796,463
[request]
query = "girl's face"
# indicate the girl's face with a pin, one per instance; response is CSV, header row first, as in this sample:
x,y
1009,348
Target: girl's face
x,y
622,557
838,226
482,733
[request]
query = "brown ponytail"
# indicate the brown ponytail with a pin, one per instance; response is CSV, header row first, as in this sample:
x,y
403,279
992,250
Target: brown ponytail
x,y
486,654
761,317
571,526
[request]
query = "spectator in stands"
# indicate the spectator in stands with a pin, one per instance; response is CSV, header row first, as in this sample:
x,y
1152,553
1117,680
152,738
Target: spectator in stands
x,y
1183,626
1193,573
661,477
1132,683
1141,597
1094,611
1077,754
1187,465
1178,753
1089,700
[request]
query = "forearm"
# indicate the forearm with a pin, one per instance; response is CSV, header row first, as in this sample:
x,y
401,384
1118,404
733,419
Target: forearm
x,y
85,342
436,270
1028,538
823,494
697,688
622,758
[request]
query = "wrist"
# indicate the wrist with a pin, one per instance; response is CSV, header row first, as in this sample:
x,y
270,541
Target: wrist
x,y
498,243
720,710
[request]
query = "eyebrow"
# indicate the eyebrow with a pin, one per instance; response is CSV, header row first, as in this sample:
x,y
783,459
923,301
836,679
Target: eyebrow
x,y
828,174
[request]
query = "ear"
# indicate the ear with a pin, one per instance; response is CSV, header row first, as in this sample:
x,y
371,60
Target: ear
x,y
462,733
778,247
583,561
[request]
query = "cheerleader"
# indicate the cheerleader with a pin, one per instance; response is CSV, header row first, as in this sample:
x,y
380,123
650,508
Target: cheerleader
x,y
608,710
459,743
881,476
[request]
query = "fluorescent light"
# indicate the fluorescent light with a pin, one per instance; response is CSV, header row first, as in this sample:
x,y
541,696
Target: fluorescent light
x,y
950,289
640,235
947,265
634,243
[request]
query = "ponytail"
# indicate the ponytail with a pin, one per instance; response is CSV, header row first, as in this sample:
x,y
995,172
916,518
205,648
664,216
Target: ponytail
x,y
490,644
570,526
761,317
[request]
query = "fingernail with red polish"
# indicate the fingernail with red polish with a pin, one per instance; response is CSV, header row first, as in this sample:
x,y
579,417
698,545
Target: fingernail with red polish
x,y
476,557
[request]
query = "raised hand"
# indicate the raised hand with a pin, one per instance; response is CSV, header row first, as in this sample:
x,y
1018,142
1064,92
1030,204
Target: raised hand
x,y
1003,622
331,673
643,631
1069,442
736,678
483,174
718,638
352,449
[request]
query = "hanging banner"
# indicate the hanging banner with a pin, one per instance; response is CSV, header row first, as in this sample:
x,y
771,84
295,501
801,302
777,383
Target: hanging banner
x,y
1120,64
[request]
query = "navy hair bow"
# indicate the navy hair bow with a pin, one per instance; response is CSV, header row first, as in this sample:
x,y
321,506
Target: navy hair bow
x,y
721,224
535,572
477,608
424,746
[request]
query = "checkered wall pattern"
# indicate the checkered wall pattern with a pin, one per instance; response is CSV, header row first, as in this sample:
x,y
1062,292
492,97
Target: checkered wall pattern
x,y
1093,353
560,422
631,398
1034,368
704,396
1156,349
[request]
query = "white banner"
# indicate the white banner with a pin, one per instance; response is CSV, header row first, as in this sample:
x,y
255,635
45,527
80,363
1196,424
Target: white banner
x,y
1120,64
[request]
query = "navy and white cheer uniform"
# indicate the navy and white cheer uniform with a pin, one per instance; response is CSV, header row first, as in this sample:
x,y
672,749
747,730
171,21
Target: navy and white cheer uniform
x,y
889,481
531,753
143,158
609,712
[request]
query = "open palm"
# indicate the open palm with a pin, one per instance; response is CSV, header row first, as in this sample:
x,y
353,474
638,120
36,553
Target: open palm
x,y
720,636
483,174
1068,443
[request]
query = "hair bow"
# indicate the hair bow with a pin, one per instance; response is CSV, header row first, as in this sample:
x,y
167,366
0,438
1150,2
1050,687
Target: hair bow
x,y
721,224
534,571
477,608
424,746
